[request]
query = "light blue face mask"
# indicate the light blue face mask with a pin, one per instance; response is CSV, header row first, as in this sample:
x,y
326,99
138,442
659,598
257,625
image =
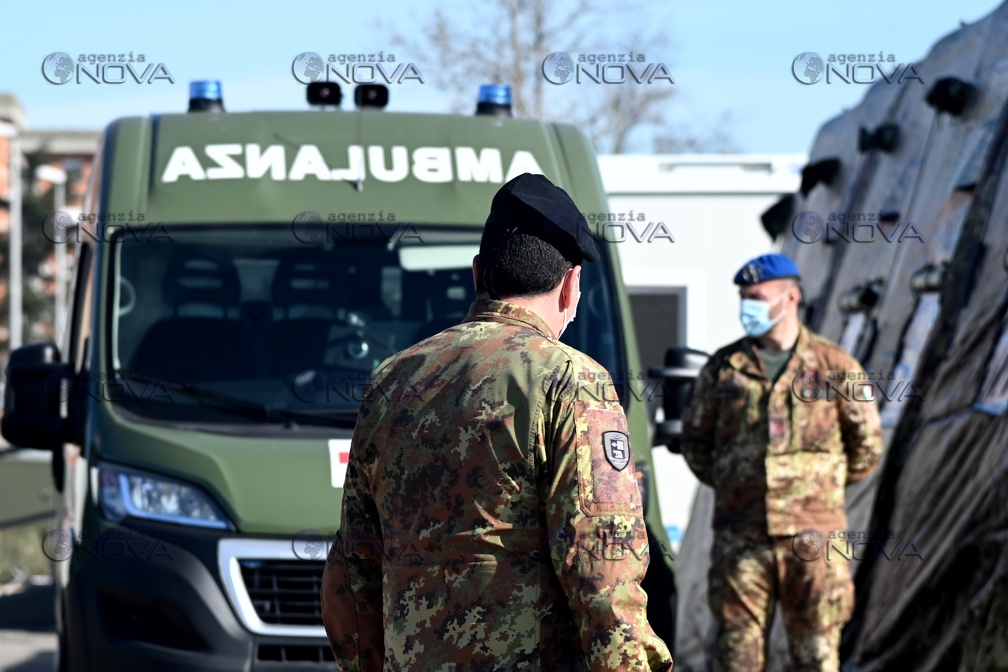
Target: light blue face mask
x,y
755,315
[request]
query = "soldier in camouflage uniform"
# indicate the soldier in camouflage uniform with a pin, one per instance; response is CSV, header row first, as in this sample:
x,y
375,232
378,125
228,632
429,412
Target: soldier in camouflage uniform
x,y
778,449
505,489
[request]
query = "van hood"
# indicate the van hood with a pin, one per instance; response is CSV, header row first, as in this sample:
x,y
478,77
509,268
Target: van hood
x,y
267,484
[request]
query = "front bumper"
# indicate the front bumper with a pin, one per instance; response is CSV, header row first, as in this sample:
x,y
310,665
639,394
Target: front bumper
x,y
138,601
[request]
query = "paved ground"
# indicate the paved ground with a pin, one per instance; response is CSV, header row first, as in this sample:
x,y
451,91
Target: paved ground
x,y
26,651
27,640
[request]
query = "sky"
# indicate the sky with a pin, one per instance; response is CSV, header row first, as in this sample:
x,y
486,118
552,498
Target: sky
x,y
730,59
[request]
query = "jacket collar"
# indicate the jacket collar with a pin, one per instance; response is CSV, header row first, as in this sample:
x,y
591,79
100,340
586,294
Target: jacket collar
x,y
745,359
489,310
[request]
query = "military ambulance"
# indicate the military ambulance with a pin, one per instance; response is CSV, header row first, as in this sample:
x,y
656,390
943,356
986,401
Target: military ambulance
x,y
237,277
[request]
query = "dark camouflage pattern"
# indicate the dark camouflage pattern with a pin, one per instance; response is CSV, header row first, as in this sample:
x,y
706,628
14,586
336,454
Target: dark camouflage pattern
x,y
778,463
515,542
778,456
749,572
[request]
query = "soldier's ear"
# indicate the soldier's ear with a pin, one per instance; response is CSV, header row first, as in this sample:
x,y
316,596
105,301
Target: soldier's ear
x,y
475,270
795,291
569,287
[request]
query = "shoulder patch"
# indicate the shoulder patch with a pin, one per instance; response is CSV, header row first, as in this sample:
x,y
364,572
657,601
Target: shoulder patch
x,y
617,449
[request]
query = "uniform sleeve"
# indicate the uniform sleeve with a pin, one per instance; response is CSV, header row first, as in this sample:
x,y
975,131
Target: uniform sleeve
x,y
861,431
351,582
699,422
597,538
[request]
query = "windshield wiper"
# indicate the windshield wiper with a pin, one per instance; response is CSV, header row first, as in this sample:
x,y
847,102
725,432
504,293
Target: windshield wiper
x,y
343,417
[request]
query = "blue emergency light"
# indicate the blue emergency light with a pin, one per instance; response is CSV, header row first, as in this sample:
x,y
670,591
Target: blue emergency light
x,y
495,100
206,96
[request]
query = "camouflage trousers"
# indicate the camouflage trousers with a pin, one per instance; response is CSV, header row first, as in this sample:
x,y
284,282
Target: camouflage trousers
x,y
749,573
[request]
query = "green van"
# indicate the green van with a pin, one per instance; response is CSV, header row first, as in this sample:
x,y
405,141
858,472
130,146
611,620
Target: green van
x,y
237,277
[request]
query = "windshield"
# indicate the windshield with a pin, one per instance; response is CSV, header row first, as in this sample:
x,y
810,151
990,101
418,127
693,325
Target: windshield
x,y
252,314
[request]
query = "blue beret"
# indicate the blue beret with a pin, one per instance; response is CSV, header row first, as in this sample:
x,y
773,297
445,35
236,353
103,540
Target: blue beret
x,y
533,205
766,267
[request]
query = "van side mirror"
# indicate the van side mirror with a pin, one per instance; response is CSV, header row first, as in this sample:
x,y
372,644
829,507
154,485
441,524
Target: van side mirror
x,y
682,366
32,397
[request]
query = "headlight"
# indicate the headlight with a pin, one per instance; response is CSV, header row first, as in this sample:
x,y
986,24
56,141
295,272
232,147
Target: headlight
x,y
124,493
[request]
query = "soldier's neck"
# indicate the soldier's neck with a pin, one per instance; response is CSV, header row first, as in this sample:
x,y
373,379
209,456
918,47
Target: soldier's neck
x,y
782,337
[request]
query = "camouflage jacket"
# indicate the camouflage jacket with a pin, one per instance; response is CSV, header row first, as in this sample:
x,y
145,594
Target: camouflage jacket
x,y
491,516
780,455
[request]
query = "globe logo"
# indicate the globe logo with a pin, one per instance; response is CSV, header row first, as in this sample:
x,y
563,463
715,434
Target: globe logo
x,y
57,67
309,545
308,67
808,386
558,67
808,67
808,226
308,386
307,226
56,226
56,544
809,544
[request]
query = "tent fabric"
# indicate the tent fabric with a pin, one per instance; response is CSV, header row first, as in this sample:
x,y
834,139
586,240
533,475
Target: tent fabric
x,y
934,594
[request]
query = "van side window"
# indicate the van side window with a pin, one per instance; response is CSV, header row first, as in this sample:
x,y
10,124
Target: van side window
x,y
80,325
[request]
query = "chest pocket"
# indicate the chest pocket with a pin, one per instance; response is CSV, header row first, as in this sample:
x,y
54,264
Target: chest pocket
x,y
736,398
816,425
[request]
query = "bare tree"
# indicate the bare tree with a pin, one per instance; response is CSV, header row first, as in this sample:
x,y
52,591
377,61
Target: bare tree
x,y
506,41
620,111
507,37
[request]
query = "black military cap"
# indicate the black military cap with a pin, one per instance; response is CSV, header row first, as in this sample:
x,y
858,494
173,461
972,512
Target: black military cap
x,y
533,205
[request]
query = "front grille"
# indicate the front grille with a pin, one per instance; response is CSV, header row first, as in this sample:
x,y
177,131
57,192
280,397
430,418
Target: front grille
x,y
285,592
289,657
